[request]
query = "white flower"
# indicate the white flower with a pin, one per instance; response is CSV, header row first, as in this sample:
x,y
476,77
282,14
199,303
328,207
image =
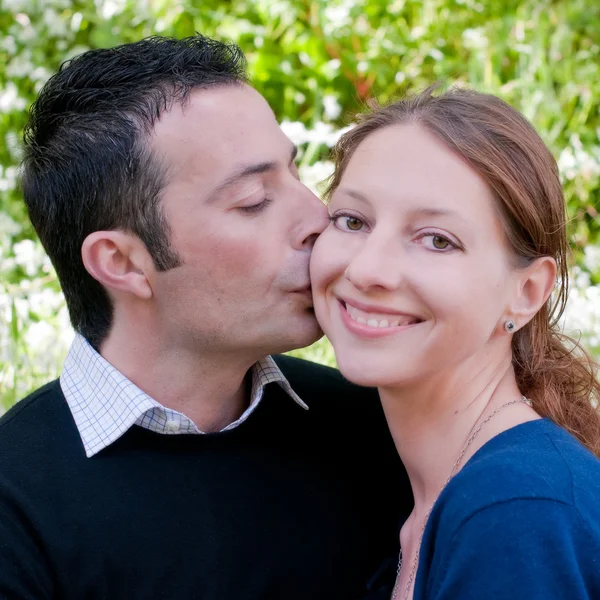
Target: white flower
x,y
8,43
581,319
321,133
305,59
334,64
8,227
10,100
20,65
28,256
575,160
40,336
295,130
337,15
76,20
45,302
417,32
316,175
109,8
56,24
331,107
436,54
8,179
474,39
15,6
591,258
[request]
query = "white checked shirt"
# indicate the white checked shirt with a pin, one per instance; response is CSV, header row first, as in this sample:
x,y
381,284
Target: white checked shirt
x,y
105,404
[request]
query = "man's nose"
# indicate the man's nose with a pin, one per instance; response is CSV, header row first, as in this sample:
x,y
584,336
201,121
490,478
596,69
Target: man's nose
x,y
315,220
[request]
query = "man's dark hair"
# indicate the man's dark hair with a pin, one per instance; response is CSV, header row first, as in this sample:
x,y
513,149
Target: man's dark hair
x,y
87,166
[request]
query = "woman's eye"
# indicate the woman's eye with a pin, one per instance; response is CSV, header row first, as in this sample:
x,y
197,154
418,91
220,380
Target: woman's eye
x,y
353,224
439,242
347,222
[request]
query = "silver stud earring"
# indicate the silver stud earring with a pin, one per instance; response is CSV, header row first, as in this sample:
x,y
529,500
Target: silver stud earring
x,y
510,326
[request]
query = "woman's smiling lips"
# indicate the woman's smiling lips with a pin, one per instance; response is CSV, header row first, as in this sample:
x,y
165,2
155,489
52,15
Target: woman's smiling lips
x,y
372,321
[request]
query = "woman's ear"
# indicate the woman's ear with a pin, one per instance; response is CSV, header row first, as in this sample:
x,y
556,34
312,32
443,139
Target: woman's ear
x,y
119,261
534,286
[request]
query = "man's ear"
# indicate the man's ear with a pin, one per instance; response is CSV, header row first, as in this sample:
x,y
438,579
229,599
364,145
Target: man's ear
x,y
119,261
535,284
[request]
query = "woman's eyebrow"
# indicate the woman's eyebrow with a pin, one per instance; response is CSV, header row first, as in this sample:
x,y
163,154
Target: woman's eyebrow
x,y
424,211
421,211
356,195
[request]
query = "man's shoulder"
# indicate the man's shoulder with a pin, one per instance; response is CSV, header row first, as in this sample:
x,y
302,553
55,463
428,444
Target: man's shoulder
x,y
342,407
25,425
351,418
33,403
312,379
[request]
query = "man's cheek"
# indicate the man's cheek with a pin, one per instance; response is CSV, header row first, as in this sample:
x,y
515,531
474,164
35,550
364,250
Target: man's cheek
x,y
239,258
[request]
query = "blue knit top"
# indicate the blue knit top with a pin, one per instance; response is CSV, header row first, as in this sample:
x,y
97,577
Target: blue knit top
x,y
520,521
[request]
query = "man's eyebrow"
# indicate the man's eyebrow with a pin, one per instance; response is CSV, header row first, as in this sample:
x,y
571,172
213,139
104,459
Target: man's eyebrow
x,y
248,171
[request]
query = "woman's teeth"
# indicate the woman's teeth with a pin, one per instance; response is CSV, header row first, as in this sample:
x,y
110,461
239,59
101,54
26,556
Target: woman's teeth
x,y
375,320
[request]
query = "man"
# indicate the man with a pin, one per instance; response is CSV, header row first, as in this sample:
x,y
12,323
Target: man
x,y
175,458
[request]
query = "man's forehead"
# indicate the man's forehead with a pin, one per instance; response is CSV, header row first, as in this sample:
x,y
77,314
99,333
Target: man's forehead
x,y
217,132
223,108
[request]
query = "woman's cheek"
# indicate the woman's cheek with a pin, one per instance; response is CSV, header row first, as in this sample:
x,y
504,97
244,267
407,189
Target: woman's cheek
x,y
328,261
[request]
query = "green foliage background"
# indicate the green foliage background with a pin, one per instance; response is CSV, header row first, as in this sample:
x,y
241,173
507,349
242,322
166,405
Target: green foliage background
x,y
317,62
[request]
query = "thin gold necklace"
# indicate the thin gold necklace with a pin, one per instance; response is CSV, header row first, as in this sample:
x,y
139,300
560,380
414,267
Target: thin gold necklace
x,y
461,455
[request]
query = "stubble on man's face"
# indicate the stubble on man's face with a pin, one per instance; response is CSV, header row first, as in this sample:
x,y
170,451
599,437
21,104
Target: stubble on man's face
x,y
241,222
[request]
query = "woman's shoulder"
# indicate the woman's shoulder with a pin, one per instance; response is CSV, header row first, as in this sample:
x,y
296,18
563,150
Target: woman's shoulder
x,y
536,461
520,520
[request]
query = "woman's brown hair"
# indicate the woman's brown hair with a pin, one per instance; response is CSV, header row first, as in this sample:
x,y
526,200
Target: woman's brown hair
x,y
506,151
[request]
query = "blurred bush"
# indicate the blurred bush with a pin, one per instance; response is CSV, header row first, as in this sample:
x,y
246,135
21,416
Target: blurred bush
x,y
316,62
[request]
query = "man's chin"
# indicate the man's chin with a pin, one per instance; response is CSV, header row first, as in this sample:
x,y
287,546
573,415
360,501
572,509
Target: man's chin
x,y
308,333
308,341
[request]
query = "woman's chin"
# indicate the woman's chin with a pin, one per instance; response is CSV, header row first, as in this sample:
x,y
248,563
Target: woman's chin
x,y
368,375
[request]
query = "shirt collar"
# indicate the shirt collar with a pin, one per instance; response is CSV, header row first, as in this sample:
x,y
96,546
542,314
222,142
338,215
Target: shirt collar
x,y
105,404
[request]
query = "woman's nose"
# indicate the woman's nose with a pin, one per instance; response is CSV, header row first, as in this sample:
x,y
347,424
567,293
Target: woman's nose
x,y
376,265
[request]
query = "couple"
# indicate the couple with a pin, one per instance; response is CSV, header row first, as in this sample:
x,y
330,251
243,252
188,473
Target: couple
x,y
175,458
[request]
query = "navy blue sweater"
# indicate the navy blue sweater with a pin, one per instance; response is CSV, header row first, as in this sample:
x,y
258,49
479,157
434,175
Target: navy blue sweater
x,y
520,521
291,504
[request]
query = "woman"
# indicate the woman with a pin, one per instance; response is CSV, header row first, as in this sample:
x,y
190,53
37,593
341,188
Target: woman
x,y
440,281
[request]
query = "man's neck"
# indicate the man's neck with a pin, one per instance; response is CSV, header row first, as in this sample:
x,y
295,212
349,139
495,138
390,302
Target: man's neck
x,y
210,389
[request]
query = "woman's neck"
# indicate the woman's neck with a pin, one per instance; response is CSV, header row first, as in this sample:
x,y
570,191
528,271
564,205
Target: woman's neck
x,y
431,422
